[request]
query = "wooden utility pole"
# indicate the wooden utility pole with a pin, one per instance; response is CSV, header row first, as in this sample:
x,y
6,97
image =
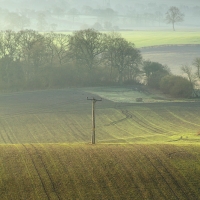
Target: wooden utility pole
x,y
93,118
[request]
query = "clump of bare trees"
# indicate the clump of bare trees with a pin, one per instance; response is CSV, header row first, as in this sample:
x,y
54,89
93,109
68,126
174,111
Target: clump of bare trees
x,y
31,60
159,77
193,76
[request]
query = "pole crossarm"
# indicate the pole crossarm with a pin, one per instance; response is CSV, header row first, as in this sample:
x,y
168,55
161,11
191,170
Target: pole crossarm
x,y
93,99
93,117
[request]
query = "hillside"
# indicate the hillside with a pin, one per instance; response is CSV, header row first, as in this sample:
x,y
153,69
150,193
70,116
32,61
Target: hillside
x,y
143,151
59,171
64,116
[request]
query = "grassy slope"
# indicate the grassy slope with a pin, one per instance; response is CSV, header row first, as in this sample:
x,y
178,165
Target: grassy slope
x,y
141,170
64,116
56,171
115,122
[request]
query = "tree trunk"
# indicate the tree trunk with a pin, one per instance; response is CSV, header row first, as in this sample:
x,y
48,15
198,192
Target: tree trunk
x,y
173,27
120,77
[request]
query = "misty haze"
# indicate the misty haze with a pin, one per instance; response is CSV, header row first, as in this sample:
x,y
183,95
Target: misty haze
x,y
99,99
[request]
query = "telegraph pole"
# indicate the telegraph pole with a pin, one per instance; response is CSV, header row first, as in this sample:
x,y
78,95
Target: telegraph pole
x,y
93,117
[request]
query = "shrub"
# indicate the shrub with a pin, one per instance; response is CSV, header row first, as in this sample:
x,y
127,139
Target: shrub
x,y
155,79
176,86
154,72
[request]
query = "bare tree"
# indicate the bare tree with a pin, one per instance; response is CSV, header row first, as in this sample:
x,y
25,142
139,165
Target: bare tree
x,y
196,63
186,69
27,40
62,44
124,57
51,46
31,51
174,15
192,77
57,45
9,44
86,46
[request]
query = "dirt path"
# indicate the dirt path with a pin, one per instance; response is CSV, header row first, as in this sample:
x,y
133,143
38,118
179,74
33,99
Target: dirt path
x,y
172,55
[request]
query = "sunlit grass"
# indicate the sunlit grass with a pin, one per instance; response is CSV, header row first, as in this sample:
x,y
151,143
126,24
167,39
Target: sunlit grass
x,y
153,38
60,171
142,150
64,116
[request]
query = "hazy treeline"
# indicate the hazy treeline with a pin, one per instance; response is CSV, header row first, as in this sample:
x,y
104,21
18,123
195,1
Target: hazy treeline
x,y
30,60
50,15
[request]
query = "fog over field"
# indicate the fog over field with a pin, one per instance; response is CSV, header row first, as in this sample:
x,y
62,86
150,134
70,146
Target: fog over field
x,y
172,56
117,64
67,15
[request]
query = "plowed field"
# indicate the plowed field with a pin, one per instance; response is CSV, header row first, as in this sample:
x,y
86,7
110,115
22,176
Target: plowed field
x,y
52,171
143,150
64,116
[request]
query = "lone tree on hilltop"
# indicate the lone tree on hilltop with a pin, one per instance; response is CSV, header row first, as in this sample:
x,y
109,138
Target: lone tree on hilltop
x,y
174,15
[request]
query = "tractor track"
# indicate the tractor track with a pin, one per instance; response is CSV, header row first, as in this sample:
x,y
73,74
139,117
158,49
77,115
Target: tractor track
x,y
152,178
65,169
130,175
170,155
45,168
3,138
132,116
7,136
147,126
175,181
47,172
160,174
42,182
141,123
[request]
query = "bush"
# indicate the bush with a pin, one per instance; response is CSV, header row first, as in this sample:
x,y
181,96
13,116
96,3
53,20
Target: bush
x,y
154,72
176,86
155,79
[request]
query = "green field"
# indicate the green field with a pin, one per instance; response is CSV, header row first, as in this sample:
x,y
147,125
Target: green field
x,y
144,150
59,171
64,116
154,38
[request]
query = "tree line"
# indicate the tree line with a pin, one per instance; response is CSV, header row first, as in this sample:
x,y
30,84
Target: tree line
x,y
31,60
